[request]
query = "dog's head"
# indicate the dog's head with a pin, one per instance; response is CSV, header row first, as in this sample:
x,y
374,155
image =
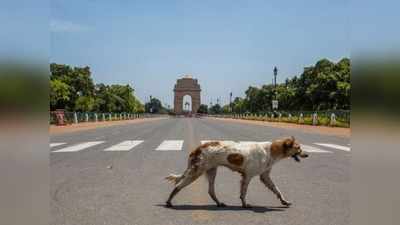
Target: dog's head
x,y
293,149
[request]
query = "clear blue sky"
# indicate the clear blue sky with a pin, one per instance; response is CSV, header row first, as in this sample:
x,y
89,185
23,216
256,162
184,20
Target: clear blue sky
x,y
227,45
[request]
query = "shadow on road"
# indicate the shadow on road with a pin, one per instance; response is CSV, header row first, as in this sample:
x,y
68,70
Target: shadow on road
x,y
258,209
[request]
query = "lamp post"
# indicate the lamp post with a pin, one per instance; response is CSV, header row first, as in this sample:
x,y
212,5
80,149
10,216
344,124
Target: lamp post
x,y
151,105
275,74
275,101
230,102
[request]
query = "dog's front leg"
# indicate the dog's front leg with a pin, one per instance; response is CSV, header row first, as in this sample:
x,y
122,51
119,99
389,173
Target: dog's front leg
x,y
244,183
266,179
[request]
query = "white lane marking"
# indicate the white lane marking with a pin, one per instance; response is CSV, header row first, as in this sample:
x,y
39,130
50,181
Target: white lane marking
x,y
308,148
340,147
222,141
170,145
79,147
124,146
56,144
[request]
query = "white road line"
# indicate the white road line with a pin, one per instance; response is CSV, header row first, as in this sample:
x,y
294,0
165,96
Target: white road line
x,y
340,147
56,144
222,141
79,147
124,146
170,145
308,148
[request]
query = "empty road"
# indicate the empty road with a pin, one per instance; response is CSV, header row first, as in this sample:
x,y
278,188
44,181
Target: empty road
x,y
115,175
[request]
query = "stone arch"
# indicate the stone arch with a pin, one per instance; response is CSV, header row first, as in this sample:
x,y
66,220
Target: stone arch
x,y
186,86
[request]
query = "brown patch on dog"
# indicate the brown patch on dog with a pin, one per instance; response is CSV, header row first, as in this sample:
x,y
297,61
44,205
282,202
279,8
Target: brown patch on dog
x,y
211,143
279,148
235,159
194,156
197,151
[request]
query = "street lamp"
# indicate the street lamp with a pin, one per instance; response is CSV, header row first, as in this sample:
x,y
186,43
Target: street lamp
x,y
230,101
275,73
151,105
275,101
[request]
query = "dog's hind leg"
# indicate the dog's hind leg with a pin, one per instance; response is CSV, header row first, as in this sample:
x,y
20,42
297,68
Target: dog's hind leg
x,y
191,176
266,179
211,174
244,183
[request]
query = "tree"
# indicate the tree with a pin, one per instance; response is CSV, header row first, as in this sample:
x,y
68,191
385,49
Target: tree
x,y
238,105
154,106
226,109
215,109
324,86
72,88
78,79
59,94
116,98
203,109
84,104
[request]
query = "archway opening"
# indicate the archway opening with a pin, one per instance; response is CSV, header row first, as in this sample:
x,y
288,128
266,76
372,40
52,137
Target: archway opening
x,y
187,104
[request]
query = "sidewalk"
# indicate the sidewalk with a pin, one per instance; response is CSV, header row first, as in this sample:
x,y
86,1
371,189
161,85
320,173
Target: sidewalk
x,y
53,129
334,131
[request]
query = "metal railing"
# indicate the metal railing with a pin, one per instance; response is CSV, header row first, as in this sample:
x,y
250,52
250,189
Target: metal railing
x,y
81,117
340,118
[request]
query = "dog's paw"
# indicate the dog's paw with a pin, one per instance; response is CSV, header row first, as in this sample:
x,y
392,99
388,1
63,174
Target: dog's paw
x,y
221,204
168,204
286,203
247,206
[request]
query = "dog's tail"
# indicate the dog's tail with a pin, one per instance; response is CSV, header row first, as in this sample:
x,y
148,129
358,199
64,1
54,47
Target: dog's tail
x,y
173,178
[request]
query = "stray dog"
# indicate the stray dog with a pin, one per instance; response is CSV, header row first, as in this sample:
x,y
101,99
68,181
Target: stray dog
x,y
249,161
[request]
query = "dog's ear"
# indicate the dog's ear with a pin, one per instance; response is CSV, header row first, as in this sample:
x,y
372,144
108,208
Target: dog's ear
x,y
288,142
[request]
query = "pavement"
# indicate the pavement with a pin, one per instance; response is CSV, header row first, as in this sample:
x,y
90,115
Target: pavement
x,y
115,175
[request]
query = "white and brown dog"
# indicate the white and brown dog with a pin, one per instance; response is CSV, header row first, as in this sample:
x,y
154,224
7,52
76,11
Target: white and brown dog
x,y
249,161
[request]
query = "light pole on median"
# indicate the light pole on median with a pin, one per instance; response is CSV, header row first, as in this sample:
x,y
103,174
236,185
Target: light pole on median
x,y
275,101
230,102
275,74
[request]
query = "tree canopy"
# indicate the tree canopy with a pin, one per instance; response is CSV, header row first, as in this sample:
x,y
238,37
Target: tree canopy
x,y
154,106
324,86
73,89
203,109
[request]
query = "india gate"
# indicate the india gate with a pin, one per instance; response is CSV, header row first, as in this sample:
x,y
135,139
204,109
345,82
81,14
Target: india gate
x,y
186,86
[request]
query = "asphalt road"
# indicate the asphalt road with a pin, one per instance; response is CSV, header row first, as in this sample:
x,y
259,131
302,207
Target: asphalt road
x,y
90,186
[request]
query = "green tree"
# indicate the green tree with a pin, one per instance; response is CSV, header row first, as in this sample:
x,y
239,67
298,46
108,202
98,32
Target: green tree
x,y
78,79
239,105
72,88
85,104
59,94
226,109
203,109
154,106
324,86
215,109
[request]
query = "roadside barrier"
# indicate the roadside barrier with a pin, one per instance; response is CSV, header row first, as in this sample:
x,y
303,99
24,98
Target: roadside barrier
x,y
334,118
82,117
